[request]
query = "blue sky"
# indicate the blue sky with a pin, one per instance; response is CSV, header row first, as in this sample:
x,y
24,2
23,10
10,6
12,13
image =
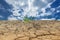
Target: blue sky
x,y
7,14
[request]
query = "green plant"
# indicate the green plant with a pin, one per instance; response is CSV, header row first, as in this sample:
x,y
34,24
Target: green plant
x,y
26,19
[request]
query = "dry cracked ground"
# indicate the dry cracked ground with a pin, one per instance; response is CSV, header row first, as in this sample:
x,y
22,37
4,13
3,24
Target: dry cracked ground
x,y
33,30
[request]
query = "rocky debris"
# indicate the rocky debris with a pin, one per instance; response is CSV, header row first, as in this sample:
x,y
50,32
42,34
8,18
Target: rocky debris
x,y
33,30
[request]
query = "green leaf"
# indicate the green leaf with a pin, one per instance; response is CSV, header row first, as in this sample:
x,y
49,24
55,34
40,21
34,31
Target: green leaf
x,y
26,19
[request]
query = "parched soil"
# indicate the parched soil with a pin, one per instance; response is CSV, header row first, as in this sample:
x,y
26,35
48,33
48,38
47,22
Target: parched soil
x,y
33,30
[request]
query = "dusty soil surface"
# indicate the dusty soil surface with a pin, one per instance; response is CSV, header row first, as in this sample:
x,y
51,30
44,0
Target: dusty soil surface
x,y
34,30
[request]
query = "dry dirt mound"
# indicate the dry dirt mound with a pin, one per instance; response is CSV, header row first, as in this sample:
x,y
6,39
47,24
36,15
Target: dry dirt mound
x,y
34,30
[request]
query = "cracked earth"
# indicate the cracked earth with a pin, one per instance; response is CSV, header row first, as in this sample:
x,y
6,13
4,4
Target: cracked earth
x,y
33,30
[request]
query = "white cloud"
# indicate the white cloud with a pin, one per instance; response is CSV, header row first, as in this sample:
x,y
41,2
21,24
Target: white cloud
x,y
58,11
44,1
58,19
29,10
1,16
15,13
11,17
46,14
47,19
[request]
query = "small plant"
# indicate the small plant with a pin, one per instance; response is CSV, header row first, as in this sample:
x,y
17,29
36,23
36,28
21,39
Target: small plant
x,y
26,19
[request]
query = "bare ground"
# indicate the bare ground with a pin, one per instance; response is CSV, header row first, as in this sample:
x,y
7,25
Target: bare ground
x,y
33,30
